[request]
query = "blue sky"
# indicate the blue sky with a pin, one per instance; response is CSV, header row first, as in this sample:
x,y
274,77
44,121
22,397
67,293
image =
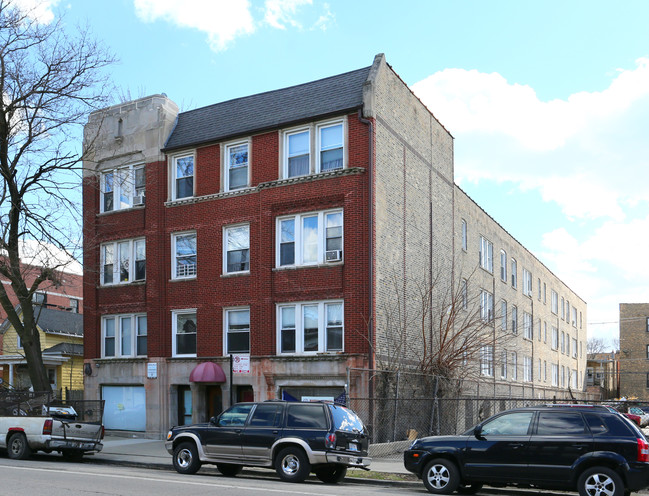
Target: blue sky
x,y
548,101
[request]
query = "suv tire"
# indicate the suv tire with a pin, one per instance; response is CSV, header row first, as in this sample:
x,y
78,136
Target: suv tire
x,y
600,481
441,476
292,465
331,474
186,459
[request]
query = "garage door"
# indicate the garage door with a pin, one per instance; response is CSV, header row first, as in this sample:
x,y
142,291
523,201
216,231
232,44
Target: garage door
x,y
125,407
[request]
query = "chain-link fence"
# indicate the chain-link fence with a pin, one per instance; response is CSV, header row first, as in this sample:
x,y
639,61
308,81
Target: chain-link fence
x,y
41,404
398,407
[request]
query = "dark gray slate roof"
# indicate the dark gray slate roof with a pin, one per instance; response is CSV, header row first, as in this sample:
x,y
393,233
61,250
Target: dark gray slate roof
x,y
269,110
66,349
51,320
60,321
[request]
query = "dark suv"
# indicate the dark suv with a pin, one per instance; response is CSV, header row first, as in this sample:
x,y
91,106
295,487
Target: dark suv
x,y
294,438
585,448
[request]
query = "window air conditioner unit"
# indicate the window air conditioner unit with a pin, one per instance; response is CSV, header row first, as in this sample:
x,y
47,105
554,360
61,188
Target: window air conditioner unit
x,y
138,200
333,255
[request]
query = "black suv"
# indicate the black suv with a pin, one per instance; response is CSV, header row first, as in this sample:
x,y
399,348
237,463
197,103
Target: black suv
x,y
294,438
584,448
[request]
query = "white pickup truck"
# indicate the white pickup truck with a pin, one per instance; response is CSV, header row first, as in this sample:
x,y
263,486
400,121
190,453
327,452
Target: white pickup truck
x,y
49,427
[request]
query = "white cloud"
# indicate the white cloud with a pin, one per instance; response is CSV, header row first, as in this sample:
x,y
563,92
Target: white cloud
x,y
588,153
41,254
279,13
222,20
39,10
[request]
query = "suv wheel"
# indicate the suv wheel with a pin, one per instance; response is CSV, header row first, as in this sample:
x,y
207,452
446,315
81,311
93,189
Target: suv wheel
x,y
292,465
186,459
441,476
600,481
331,474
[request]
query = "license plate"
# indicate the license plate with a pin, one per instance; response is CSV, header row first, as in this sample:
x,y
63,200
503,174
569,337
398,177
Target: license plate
x,y
353,447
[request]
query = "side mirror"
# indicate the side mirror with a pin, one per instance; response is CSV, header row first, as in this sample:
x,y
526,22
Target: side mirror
x,y
213,420
477,432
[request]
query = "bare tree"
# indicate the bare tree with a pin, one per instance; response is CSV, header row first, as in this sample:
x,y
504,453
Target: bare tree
x,y
49,82
595,345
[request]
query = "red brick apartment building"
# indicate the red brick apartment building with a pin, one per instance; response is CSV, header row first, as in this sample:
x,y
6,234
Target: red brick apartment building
x,y
281,227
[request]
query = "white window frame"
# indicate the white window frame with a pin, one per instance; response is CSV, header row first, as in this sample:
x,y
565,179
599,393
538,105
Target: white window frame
x,y
228,166
318,143
514,366
528,329
514,313
555,338
487,361
574,317
503,364
486,306
555,374
135,332
131,260
465,239
174,330
298,241
323,345
554,306
503,266
527,282
527,369
174,178
514,273
189,274
486,254
123,178
227,331
574,348
226,239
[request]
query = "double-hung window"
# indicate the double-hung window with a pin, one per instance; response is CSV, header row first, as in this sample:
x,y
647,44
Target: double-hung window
x,y
183,328
574,348
486,254
298,153
554,302
237,249
503,365
183,177
527,282
237,163
514,273
330,147
514,319
555,338
527,369
124,335
464,235
184,255
487,361
486,306
310,327
514,366
309,239
503,266
237,326
122,188
528,331
123,261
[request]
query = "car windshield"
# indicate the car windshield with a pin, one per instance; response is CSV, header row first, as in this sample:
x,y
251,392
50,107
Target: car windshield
x,y
346,420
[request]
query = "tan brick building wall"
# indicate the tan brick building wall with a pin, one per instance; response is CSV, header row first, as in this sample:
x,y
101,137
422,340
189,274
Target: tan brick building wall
x,y
634,357
567,355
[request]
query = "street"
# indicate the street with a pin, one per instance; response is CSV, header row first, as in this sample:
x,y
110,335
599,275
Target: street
x,y
59,478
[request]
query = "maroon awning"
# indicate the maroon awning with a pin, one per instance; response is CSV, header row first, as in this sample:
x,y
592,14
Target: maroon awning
x,y
207,372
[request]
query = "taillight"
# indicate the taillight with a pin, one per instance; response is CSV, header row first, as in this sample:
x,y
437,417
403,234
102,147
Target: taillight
x,y
330,441
643,450
47,427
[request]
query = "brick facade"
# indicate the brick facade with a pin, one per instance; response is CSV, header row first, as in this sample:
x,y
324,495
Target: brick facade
x,y
634,350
